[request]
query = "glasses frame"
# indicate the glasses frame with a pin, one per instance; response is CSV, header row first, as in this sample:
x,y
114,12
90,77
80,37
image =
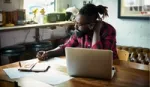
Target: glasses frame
x,y
90,25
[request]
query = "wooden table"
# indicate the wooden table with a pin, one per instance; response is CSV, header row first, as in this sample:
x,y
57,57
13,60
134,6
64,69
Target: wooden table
x,y
127,75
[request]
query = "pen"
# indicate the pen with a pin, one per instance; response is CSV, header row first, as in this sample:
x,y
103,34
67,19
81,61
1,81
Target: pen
x,y
19,63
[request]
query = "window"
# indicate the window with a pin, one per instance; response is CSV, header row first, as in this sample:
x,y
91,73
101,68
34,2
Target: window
x,y
31,5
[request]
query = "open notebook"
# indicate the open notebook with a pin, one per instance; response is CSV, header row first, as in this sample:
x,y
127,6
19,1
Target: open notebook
x,y
35,67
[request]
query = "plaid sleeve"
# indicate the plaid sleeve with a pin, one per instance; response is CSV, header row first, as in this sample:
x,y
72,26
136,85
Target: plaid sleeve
x,y
109,38
97,45
71,42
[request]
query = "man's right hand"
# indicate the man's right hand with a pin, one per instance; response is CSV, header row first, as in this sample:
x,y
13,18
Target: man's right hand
x,y
42,55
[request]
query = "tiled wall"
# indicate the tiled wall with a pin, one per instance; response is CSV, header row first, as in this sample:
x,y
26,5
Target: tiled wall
x,y
130,32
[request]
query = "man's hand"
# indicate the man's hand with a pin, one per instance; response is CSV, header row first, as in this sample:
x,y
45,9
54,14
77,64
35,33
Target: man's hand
x,y
96,33
42,55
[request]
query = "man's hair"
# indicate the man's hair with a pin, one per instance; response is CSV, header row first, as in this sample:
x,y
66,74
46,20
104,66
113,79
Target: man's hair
x,y
91,10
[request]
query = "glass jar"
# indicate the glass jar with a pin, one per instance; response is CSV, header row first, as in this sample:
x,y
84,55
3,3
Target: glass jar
x,y
1,18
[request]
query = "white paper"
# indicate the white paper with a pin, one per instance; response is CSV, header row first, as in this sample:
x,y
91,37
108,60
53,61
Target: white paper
x,y
15,73
52,77
57,60
40,66
29,82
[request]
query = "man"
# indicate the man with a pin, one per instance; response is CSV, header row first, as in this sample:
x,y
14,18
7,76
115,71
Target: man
x,y
90,32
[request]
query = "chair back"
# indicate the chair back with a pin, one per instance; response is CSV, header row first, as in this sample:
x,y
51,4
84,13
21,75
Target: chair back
x,y
123,54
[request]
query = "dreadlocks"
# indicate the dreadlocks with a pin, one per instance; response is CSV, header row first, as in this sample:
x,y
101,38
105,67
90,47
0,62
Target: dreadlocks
x,y
92,10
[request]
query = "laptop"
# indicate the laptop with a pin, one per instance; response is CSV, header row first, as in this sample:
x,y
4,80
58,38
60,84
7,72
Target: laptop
x,y
90,63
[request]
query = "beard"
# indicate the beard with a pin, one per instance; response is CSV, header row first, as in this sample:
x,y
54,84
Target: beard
x,y
79,33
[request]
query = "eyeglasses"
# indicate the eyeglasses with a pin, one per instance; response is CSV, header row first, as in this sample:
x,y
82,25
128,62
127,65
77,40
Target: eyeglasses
x,y
89,25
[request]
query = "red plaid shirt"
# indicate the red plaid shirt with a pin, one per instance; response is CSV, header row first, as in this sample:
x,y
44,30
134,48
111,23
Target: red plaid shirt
x,y
107,40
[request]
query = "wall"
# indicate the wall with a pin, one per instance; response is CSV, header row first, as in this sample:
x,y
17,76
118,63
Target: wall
x,y
11,6
8,38
61,5
22,36
130,32
14,37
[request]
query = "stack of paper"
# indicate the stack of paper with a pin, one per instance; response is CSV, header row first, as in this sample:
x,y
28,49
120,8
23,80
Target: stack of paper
x,y
15,73
51,76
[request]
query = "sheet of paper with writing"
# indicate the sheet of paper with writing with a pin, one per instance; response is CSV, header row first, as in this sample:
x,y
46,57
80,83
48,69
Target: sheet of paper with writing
x,y
51,76
35,67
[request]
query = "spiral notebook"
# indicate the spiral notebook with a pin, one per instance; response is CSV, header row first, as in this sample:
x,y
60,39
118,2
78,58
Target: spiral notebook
x,y
35,67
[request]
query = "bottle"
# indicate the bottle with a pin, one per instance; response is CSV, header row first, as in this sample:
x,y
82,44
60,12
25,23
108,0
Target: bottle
x,y
41,16
35,11
1,18
41,19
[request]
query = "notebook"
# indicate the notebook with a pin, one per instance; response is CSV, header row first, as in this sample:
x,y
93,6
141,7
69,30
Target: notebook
x,y
34,67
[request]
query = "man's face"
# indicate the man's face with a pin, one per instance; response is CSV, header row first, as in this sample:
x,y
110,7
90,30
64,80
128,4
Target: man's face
x,y
84,24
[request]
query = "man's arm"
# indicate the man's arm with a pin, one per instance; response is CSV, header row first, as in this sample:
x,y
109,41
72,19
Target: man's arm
x,y
56,52
107,38
106,41
44,55
59,51
96,33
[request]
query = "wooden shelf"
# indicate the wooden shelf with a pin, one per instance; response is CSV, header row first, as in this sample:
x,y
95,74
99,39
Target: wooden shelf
x,y
28,26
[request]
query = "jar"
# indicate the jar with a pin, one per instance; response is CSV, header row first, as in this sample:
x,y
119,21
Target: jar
x,y
1,18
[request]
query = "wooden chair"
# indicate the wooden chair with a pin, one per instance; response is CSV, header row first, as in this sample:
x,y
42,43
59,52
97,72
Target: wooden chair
x,y
123,54
119,47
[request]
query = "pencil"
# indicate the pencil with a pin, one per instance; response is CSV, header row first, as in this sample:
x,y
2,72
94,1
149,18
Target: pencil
x,y
19,64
